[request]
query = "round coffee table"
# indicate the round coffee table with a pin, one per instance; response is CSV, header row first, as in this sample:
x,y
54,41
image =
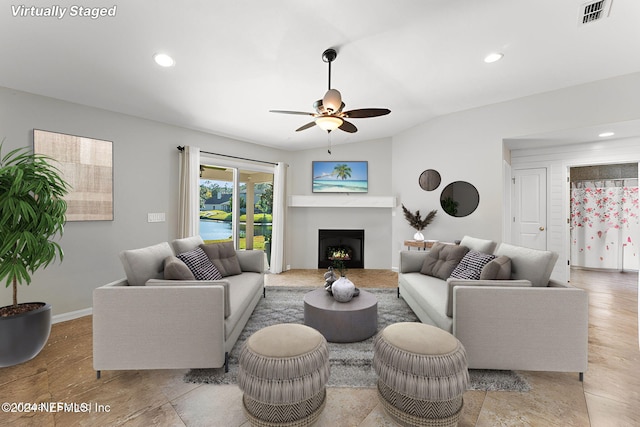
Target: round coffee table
x,y
351,321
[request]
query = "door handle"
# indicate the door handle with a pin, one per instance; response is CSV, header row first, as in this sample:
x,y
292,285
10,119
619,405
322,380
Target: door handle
x,y
541,229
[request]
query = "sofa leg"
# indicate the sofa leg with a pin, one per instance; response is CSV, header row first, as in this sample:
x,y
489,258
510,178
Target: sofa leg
x,y
581,376
226,361
97,375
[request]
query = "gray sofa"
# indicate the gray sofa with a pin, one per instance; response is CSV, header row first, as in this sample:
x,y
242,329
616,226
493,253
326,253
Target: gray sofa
x,y
526,322
147,322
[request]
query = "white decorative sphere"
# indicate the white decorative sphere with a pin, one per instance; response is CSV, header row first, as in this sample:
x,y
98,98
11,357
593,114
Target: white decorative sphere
x,y
343,289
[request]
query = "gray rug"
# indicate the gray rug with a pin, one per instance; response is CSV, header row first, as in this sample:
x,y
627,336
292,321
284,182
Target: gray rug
x,y
350,363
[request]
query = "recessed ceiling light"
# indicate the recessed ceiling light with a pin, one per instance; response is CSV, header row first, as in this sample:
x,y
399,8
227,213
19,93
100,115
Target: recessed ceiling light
x,y
163,60
493,57
606,134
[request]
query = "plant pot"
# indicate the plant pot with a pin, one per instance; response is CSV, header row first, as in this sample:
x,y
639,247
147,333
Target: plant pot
x,y
419,237
23,336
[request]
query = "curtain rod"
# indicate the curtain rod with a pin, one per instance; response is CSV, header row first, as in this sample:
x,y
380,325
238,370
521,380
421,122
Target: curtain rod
x,y
181,148
604,179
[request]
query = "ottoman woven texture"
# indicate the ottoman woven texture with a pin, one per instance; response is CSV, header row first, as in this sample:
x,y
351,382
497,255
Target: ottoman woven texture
x,y
283,371
422,374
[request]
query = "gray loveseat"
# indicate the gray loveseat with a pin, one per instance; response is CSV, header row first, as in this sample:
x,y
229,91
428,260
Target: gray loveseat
x,y
525,322
147,322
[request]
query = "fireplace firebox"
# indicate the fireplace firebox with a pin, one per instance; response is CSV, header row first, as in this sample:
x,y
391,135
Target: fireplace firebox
x,y
350,241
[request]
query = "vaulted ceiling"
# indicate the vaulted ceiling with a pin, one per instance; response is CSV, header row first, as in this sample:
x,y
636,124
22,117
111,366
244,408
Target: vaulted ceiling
x,y
236,60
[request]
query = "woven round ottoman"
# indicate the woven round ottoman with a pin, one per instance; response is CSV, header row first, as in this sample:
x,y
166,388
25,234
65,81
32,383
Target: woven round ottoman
x,y
283,372
422,374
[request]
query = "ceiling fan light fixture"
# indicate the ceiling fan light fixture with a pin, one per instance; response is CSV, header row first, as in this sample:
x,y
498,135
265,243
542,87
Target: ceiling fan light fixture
x,y
329,123
332,100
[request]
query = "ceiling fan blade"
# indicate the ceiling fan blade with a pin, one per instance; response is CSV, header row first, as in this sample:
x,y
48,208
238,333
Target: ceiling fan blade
x,y
307,126
366,112
300,113
348,127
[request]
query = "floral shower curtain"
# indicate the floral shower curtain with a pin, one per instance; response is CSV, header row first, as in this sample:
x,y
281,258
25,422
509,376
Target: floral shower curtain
x,y
604,224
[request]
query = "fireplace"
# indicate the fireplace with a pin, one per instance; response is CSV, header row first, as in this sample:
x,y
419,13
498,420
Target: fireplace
x,y
351,241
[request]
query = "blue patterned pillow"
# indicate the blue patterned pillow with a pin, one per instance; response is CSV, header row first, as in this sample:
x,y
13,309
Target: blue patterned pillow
x,y
471,265
200,265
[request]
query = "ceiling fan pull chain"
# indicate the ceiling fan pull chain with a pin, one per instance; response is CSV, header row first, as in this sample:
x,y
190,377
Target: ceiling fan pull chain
x,y
329,142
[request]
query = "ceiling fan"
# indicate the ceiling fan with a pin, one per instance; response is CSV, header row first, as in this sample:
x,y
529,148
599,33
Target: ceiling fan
x,y
329,113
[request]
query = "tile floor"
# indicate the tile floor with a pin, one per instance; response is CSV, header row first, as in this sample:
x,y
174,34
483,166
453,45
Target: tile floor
x,y
608,396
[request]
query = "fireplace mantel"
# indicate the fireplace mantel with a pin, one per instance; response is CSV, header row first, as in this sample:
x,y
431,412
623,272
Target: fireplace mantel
x,y
341,201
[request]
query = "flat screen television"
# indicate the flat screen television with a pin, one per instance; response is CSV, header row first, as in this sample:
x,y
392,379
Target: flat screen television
x,y
340,177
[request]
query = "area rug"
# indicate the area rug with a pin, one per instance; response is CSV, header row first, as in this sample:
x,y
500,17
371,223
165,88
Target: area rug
x,y
350,363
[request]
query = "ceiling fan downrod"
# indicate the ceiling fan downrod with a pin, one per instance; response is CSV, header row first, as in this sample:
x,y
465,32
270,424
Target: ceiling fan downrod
x,y
329,56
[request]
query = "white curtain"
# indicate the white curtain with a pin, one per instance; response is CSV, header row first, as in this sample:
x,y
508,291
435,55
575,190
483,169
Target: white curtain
x,y
279,209
189,193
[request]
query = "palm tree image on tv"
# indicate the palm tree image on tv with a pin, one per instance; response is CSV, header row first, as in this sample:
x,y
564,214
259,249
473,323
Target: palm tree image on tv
x,y
340,177
342,171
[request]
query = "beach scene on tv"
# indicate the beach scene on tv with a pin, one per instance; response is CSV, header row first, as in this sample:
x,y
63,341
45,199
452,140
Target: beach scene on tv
x,y
340,177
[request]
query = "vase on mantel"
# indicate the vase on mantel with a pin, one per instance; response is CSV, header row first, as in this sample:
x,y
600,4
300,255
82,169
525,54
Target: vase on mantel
x,y
343,289
419,237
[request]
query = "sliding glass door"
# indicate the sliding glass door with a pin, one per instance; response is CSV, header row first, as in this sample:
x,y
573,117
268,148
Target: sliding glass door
x,y
236,204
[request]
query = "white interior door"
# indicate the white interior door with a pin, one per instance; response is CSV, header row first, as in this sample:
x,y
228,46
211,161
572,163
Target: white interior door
x,y
530,208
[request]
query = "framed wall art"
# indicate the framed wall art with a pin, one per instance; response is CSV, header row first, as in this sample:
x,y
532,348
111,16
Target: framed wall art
x,y
87,165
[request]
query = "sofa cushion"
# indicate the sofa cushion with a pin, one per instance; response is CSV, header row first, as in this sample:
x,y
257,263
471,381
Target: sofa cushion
x,y
200,265
176,269
143,264
497,269
223,256
529,264
442,259
452,283
480,245
186,244
471,265
242,289
429,296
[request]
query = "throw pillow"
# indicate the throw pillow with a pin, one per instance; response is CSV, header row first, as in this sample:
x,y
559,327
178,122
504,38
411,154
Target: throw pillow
x,y
200,265
497,269
175,269
529,264
442,259
143,264
223,256
471,265
480,245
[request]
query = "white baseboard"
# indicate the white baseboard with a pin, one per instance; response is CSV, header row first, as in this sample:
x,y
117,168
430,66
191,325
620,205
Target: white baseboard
x,y
71,315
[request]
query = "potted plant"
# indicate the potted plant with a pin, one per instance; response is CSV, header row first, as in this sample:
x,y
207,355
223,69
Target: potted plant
x,y
32,214
417,222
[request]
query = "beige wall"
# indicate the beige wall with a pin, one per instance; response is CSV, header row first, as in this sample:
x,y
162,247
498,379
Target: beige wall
x,y
303,222
145,180
463,146
469,146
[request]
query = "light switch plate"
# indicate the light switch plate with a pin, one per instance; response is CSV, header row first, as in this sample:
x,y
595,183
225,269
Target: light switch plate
x,y
155,217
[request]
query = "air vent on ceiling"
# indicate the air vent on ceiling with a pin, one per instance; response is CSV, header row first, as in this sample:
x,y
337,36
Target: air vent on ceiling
x,y
593,11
